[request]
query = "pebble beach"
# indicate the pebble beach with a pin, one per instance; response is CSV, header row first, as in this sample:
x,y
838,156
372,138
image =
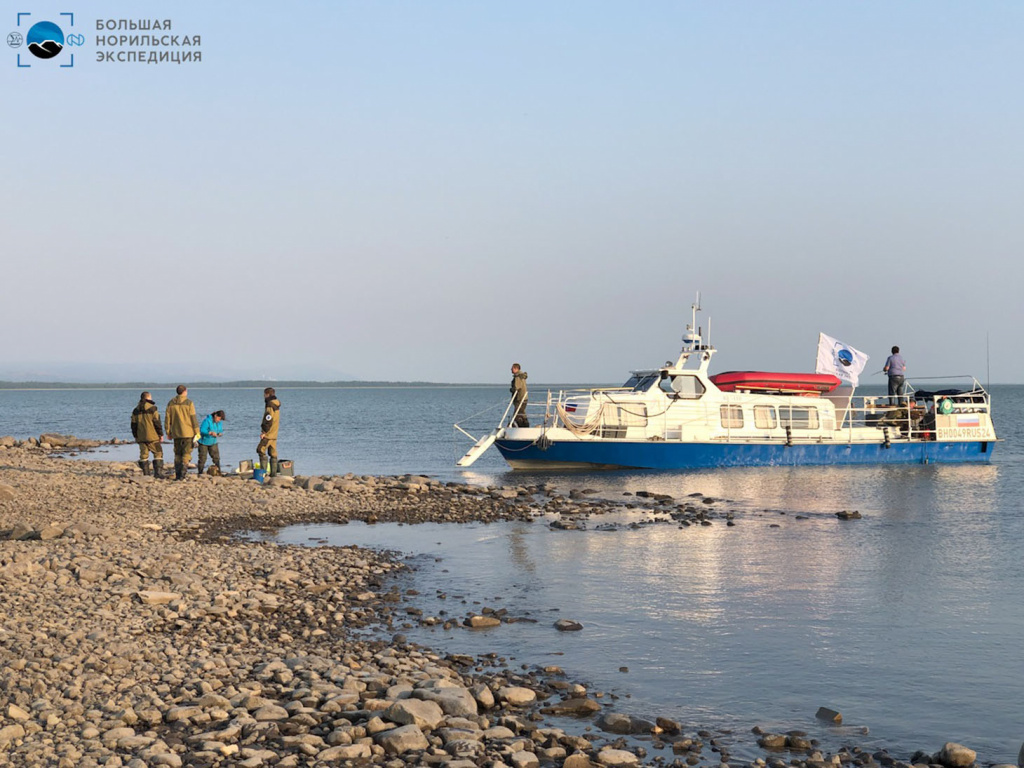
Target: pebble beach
x,y
140,628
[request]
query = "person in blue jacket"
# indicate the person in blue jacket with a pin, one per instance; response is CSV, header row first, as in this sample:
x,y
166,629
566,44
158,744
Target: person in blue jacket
x,y
211,428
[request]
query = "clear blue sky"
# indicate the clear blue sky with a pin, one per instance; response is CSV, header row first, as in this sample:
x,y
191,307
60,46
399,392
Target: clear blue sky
x,y
431,190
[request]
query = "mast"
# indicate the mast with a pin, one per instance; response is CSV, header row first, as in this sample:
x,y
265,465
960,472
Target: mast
x,y
692,338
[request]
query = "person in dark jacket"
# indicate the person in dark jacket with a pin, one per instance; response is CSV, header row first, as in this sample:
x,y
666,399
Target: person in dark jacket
x,y
519,396
269,425
211,428
148,433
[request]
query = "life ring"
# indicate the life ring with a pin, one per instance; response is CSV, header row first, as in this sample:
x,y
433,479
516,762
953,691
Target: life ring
x,y
946,406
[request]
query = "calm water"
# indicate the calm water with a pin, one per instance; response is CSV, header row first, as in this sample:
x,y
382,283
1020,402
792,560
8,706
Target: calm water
x,y
909,621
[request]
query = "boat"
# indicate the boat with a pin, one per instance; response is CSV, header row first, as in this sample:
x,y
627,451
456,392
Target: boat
x,y
678,416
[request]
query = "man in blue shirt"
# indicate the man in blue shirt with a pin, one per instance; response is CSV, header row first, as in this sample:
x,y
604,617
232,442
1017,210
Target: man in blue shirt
x,y
211,428
896,369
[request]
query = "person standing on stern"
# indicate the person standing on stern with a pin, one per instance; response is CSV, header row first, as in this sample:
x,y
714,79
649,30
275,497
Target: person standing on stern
x,y
896,369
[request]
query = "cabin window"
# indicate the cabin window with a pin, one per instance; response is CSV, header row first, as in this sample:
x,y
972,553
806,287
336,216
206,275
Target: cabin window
x,y
631,415
617,419
732,416
688,387
764,417
798,418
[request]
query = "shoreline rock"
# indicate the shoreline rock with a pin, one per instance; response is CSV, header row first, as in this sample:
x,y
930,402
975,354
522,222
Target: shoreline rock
x,y
138,629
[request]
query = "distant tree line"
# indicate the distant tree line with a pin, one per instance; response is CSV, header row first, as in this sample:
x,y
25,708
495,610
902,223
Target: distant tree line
x,y
250,384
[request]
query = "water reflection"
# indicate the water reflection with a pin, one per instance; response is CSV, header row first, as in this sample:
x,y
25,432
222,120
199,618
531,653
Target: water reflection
x,y
765,621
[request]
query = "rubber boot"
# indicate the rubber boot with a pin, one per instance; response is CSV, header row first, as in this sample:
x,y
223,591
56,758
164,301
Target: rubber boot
x,y
179,470
274,467
158,468
199,470
264,463
144,466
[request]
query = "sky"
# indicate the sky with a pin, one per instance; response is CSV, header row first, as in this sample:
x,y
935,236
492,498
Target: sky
x,y
430,190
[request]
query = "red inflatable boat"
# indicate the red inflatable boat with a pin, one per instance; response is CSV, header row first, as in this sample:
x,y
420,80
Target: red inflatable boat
x,y
765,381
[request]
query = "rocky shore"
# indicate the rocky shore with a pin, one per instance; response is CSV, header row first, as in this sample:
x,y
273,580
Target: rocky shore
x,y
137,630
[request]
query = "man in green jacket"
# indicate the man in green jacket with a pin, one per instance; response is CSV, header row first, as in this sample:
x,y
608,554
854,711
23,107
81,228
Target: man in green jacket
x,y
269,425
519,396
148,432
181,424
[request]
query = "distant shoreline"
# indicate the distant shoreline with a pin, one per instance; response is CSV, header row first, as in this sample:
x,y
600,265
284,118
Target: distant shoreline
x,y
29,386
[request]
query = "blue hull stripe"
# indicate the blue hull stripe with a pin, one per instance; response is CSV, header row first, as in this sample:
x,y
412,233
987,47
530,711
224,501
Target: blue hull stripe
x,y
659,455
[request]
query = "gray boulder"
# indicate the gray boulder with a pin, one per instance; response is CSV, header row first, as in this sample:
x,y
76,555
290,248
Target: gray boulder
x,y
422,714
407,738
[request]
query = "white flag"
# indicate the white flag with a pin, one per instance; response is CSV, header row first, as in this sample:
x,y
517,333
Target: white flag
x,y
840,359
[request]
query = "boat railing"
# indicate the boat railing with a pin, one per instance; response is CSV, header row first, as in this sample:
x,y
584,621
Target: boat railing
x,y
912,415
599,411
537,414
552,411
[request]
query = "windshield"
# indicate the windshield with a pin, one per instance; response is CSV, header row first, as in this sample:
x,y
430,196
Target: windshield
x,y
640,383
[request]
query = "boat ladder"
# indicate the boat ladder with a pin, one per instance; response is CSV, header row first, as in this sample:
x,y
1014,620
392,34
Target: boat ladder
x,y
479,447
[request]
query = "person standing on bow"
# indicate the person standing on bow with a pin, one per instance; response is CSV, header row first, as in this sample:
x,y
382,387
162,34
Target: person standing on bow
x,y
148,433
269,426
211,428
519,396
180,423
896,369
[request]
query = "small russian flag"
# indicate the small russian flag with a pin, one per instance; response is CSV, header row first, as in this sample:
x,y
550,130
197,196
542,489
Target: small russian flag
x,y
968,420
570,407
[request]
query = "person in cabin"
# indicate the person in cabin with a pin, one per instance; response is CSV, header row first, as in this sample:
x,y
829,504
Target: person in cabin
x,y
519,396
896,369
148,433
211,428
928,422
269,426
181,424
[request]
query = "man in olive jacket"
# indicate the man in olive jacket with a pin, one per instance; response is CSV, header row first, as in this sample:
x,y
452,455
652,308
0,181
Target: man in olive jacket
x,y
148,432
519,396
181,424
269,425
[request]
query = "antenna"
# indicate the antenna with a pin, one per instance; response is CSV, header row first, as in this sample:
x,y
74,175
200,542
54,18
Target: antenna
x,y
988,370
694,309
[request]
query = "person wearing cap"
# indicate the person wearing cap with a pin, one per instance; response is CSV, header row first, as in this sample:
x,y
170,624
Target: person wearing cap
x,y
180,423
148,432
519,396
269,426
211,428
896,369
